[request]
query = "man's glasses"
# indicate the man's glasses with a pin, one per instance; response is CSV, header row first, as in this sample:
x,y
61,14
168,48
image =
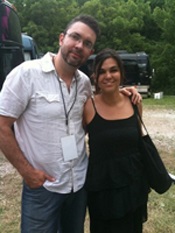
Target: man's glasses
x,y
77,38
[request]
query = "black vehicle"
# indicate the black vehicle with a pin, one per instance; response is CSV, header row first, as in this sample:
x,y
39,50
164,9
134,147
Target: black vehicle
x,y
137,68
11,48
138,71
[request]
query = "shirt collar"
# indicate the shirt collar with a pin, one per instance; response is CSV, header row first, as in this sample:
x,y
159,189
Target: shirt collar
x,y
46,62
48,66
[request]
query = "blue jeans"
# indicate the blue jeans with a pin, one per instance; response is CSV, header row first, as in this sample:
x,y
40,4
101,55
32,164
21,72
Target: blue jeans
x,y
47,212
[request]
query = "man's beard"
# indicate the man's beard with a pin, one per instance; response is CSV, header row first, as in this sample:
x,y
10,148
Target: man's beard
x,y
74,63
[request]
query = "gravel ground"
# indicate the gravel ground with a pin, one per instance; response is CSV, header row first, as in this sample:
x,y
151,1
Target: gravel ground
x,y
161,127
160,124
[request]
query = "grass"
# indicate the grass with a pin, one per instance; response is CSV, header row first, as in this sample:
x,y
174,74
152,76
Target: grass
x,y
161,208
167,102
10,193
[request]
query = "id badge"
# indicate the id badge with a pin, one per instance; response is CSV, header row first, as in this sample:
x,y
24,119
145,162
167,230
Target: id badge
x,y
69,148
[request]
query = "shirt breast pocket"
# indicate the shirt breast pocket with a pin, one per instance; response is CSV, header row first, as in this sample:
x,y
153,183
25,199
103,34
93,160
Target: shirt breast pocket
x,y
47,105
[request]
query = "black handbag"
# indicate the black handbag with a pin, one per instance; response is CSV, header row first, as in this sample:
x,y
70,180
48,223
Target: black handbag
x,y
156,172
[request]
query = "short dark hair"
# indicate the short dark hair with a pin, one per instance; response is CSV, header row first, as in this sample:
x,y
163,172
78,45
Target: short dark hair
x,y
86,19
100,58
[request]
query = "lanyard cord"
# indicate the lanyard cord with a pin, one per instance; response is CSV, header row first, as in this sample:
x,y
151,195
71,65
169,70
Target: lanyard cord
x,y
64,104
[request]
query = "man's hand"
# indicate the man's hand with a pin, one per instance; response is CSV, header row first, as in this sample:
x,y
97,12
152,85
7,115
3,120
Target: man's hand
x,y
136,97
36,178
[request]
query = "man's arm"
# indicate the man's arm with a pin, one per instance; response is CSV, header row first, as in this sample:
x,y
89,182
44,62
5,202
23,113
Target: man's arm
x,y
34,178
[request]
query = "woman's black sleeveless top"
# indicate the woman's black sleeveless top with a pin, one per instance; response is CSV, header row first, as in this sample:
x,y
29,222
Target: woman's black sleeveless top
x,y
115,176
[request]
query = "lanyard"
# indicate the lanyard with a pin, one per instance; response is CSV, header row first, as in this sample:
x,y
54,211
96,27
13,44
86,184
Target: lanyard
x,y
64,104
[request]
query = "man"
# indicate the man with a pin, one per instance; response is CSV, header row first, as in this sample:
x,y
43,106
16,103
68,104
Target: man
x,y
44,100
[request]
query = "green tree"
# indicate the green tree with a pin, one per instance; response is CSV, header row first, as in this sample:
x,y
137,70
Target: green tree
x,y
121,23
133,25
45,20
164,50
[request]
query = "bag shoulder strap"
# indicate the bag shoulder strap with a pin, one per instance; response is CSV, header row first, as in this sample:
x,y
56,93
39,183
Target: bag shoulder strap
x,y
139,117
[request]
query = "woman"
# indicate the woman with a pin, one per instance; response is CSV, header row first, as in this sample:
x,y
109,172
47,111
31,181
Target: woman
x,y
117,188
